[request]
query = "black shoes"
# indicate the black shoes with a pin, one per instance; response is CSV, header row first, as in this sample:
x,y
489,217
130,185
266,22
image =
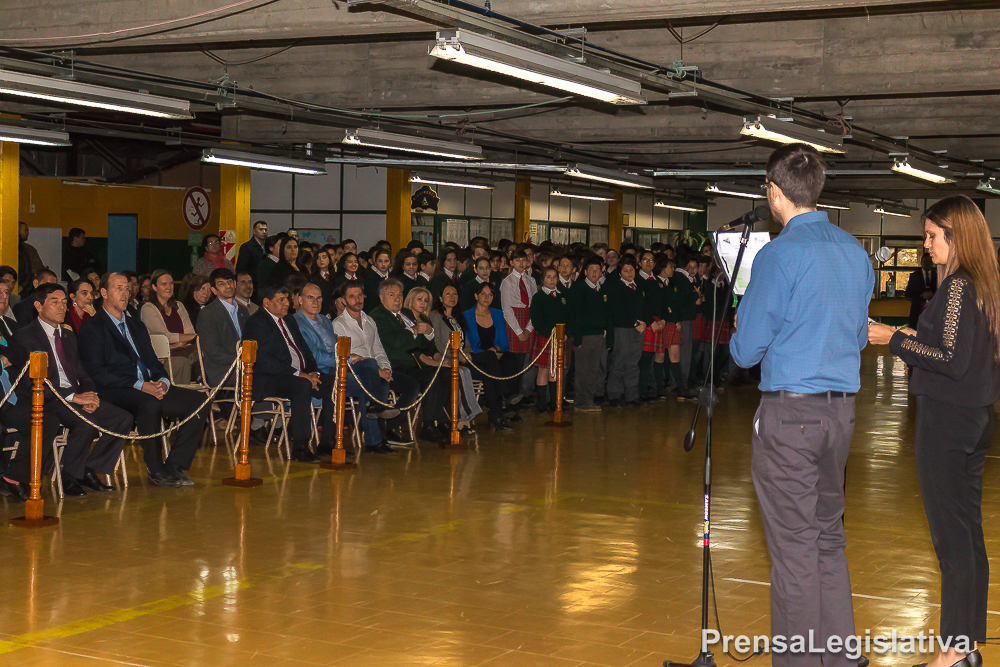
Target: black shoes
x,y
72,488
500,425
19,492
377,411
164,479
303,455
381,448
974,659
94,483
431,434
614,403
179,475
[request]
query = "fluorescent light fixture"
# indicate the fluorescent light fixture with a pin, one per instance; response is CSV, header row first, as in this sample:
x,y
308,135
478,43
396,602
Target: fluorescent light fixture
x,y
591,195
265,162
831,203
89,95
27,135
782,132
989,185
679,206
889,209
924,172
456,181
612,176
733,190
502,57
403,142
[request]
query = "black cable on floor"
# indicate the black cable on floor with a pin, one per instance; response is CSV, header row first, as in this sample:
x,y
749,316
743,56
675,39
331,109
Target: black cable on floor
x,y
715,607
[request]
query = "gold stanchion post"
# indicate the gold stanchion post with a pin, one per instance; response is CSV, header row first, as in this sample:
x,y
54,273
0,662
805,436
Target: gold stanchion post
x,y
338,458
248,355
455,346
559,343
34,510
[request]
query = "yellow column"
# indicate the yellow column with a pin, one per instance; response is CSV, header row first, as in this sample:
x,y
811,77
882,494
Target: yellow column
x,y
522,209
234,198
615,213
397,208
10,184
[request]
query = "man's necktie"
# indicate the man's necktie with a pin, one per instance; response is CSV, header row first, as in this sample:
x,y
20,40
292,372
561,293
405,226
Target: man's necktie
x,y
68,370
399,318
142,367
284,331
632,285
524,291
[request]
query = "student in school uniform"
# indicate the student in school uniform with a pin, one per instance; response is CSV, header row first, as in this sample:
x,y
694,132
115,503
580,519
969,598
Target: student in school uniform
x,y
664,271
516,291
548,308
590,322
629,320
406,269
446,273
655,338
701,328
483,274
687,303
377,271
427,264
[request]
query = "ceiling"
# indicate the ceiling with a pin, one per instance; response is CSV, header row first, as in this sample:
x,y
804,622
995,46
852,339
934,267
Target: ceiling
x,y
915,78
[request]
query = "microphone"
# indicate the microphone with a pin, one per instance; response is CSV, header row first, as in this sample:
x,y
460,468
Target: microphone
x,y
882,255
758,214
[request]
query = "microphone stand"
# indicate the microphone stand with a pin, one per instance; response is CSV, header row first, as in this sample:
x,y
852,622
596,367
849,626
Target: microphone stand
x,y
708,399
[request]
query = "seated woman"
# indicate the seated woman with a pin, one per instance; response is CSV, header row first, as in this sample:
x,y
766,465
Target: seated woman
x,y
163,315
195,295
487,332
419,302
446,317
212,257
81,296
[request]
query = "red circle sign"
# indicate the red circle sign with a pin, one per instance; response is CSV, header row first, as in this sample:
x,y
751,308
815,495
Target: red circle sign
x,y
196,208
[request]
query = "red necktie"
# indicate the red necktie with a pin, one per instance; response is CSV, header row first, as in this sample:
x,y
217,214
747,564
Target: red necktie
x,y
288,339
524,292
68,371
632,285
400,319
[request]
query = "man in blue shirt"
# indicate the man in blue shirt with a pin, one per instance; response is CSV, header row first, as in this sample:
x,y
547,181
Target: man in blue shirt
x,y
804,318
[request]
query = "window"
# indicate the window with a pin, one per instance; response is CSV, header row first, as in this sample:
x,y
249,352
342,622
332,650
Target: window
x,y
906,254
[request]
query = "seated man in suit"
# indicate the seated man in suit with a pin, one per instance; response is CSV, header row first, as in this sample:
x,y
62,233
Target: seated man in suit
x,y
7,325
220,327
317,330
80,463
398,330
119,357
286,368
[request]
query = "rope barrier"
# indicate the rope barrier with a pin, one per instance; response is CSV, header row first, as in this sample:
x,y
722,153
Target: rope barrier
x,y
520,372
14,385
128,436
389,405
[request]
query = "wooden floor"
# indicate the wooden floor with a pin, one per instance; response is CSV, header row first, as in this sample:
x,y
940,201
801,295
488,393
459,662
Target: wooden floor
x,y
541,547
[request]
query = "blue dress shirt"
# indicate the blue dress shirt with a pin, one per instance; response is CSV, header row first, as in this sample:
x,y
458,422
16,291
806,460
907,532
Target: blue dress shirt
x,y
140,367
321,339
805,311
233,311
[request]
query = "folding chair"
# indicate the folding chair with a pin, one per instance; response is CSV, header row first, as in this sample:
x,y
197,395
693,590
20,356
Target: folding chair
x,y
276,411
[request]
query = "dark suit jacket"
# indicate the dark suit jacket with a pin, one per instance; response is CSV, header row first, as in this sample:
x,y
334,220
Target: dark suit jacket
x,y
274,359
914,289
108,357
32,337
400,344
249,257
7,327
25,312
219,338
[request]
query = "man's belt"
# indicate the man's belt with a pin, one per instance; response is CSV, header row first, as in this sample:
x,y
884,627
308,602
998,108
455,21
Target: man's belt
x,y
823,394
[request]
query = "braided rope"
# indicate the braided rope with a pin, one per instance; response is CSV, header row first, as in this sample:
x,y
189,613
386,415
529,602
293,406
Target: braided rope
x,y
127,436
517,374
389,405
14,385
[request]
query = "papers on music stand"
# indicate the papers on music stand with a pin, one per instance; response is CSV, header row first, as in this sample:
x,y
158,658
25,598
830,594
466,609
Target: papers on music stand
x,y
727,246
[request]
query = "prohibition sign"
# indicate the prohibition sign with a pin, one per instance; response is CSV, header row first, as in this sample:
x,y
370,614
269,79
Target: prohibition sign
x,y
196,208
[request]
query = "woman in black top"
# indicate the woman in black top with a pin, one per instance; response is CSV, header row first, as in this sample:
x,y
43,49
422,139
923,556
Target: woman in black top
x,y
955,353
287,265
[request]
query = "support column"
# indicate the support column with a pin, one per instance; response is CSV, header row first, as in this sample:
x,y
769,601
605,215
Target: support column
x,y
397,208
616,209
522,209
10,184
234,201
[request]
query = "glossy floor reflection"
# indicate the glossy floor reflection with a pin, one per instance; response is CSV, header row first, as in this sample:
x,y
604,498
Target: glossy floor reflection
x,y
542,547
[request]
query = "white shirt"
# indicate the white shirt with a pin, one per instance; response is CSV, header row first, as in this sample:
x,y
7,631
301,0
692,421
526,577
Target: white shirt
x,y
592,285
381,275
685,274
565,283
364,337
292,353
450,274
425,276
510,298
50,333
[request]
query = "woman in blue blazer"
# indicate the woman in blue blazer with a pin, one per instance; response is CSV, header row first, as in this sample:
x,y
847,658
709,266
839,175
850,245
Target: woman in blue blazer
x,y
487,335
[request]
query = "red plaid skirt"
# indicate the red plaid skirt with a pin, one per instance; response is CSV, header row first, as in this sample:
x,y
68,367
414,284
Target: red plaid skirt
x,y
537,343
655,341
700,328
706,333
673,333
523,317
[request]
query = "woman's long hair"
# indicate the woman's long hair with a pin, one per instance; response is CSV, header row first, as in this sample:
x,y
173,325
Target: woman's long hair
x,y
412,297
397,265
456,312
154,298
972,251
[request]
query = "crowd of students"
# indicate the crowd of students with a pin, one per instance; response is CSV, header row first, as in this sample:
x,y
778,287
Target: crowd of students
x,y
639,323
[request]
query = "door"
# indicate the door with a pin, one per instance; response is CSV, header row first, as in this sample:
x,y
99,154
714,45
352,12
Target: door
x,y
123,236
